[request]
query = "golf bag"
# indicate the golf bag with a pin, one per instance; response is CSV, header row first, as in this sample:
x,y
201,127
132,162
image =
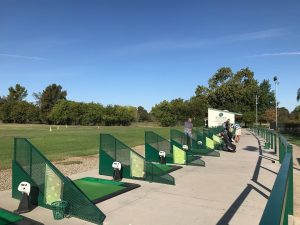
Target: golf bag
x,y
229,146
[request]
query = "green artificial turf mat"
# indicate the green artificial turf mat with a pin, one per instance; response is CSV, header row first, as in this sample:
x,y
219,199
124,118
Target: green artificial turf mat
x,y
97,189
8,217
102,181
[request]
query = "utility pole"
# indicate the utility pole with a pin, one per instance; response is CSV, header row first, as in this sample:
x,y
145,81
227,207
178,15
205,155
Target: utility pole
x,y
256,109
276,83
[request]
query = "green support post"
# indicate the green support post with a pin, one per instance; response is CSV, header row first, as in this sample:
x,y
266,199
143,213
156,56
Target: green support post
x,y
281,151
275,142
289,207
271,141
267,140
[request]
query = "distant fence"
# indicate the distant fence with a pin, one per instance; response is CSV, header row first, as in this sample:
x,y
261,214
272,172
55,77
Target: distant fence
x,y
280,204
290,128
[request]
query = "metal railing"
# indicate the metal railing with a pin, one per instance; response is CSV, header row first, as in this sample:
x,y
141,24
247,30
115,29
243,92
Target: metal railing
x,y
280,203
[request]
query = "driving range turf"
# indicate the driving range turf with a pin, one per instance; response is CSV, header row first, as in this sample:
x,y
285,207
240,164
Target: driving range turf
x,y
65,142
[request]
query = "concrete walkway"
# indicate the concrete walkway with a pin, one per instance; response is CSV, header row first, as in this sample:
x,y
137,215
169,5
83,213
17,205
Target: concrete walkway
x,y
232,189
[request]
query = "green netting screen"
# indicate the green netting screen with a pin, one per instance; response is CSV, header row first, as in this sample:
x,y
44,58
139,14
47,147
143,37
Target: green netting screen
x,y
209,141
48,183
155,143
197,144
134,166
178,139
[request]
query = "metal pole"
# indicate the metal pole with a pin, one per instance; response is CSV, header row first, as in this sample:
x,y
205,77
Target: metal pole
x,y
276,102
256,109
276,83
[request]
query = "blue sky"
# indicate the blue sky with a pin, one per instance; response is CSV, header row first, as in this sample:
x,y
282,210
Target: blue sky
x,y
141,52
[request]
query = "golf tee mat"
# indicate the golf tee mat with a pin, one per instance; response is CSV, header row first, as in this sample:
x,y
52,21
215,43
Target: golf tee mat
x,y
7,217
98,190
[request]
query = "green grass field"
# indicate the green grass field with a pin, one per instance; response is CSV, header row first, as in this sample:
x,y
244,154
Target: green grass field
x,y
294,139
66,142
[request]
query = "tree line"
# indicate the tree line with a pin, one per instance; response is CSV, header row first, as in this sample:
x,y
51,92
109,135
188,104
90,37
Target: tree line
x,y
225,90
52,107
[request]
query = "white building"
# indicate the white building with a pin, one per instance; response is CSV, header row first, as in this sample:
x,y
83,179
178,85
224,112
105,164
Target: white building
x,y
217,117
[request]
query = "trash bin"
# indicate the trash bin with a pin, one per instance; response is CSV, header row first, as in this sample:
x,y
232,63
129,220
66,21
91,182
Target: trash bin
x,y
59,209
117,173
162,157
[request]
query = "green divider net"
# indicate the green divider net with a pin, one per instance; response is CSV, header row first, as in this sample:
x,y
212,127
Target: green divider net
x,y
210,143
48,183
137,165
178,139
217,139
155,143
53,186
179,155
195,148
134,166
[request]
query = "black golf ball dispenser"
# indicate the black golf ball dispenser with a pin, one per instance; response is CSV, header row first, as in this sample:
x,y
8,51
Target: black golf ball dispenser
x,y
162,157
117,171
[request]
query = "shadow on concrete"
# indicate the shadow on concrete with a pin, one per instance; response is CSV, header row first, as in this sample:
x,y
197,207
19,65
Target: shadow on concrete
x,y
242,197
237,204
251,148
298,159
257,170
269,158
295,168
268,169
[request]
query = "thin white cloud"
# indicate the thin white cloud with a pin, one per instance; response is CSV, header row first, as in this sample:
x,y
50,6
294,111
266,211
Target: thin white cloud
x,y
22,56
197,43
263,34
277,54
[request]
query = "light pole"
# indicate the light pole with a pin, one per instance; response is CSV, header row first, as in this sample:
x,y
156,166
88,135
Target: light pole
x,y
275,79
256,109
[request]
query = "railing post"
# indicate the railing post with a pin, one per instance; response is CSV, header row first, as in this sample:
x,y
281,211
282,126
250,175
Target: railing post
x,y
272,137
281,204
290,194
275,142
281,149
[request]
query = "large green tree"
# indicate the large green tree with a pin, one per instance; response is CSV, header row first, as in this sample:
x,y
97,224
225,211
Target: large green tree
x,y
49,97
143,115
198,105
266,97
164,114
116,115
298,95
295,114
24,112
17,93
233,92
76,113
283,115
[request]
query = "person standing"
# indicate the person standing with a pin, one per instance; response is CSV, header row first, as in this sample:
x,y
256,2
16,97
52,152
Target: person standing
x,y
238,132
188,127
